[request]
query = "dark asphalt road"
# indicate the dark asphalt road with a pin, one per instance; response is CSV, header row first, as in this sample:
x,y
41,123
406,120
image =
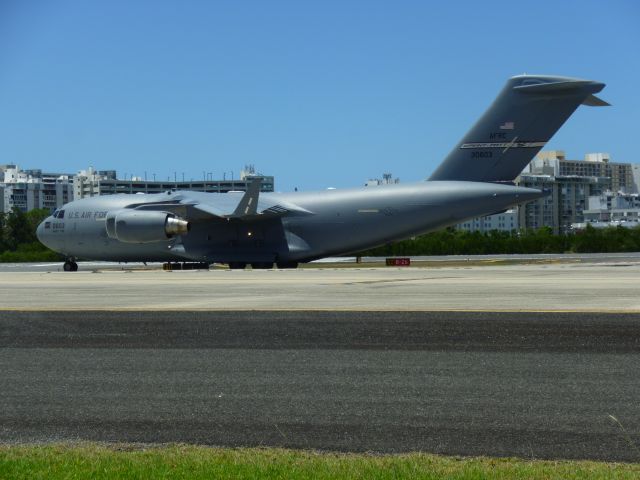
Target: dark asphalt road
x,y
538,385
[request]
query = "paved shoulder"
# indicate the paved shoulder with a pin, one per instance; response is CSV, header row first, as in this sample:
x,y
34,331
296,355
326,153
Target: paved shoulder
x,y
524,384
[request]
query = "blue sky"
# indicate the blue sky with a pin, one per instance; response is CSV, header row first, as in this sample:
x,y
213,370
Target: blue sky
x,y
318,94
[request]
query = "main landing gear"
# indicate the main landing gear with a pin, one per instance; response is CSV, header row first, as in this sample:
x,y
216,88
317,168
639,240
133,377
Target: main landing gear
x,y
262,265
237,265
70,266
287,264
254,265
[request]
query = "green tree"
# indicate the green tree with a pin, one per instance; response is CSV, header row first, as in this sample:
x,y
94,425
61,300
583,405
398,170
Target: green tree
x,y
35,218
542,240
3,243
18,230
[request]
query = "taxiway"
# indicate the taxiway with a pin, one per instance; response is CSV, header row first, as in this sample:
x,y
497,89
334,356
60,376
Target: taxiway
x,y
522,287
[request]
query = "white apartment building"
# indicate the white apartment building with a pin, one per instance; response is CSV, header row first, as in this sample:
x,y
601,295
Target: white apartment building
x,y
31,189
611,209
504,222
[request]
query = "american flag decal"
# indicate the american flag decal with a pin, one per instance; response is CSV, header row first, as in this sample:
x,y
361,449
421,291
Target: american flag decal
x,y
507,126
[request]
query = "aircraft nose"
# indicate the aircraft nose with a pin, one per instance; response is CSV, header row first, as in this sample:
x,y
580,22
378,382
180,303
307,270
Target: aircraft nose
x,y
40,231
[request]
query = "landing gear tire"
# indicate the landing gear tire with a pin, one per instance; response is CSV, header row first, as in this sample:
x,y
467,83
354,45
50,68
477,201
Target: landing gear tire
x,y
262,265
70,266
287,264
237,265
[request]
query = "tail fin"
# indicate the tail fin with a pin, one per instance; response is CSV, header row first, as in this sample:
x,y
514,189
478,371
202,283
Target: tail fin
x,y
527,113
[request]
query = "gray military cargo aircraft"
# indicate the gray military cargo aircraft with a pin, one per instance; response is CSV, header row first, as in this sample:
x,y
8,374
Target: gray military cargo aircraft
x,y
260,229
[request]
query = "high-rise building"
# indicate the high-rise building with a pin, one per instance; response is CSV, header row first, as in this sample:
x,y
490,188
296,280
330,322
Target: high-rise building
x,y
566,199
89,183
612,209
635,173
555,163
30,189
569,184
505,222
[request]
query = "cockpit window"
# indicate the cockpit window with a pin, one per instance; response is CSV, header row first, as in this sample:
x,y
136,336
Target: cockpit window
x,y
58,214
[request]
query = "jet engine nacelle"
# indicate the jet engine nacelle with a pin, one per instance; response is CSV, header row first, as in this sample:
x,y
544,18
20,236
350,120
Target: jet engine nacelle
x,y
144,226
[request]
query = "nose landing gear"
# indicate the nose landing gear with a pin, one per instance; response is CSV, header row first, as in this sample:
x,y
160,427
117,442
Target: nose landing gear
x,y
70,266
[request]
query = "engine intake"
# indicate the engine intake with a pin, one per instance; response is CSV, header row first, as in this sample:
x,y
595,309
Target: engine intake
x,y
144,226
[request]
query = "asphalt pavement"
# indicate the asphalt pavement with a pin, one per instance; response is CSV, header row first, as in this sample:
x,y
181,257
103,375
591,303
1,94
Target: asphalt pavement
x,y
533,385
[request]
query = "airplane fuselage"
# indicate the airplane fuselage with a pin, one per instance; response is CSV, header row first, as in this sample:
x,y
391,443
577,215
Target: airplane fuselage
x,y
335,222
286,228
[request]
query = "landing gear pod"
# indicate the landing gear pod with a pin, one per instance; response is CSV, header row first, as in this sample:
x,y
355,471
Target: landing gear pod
x,y
144,226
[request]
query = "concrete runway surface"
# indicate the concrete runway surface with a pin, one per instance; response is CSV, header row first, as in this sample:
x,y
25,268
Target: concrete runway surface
x,y
610,286
533,385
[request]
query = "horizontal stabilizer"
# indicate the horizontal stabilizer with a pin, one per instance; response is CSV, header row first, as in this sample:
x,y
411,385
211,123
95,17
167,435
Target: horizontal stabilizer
x,y
549,85
593,101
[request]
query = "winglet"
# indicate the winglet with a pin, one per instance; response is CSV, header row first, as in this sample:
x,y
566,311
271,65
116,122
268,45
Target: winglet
x,y
249,202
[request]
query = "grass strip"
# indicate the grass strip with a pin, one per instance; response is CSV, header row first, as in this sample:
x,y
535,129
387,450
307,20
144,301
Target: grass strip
x,y
101,461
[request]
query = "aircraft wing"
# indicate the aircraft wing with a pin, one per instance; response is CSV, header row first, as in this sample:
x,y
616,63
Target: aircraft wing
x,y
244,206
250,206
263,209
